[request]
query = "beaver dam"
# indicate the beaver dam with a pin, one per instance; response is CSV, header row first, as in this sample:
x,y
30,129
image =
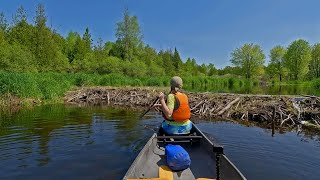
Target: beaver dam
x,y
279,110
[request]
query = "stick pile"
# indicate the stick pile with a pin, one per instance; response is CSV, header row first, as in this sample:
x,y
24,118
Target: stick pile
x,y
289,110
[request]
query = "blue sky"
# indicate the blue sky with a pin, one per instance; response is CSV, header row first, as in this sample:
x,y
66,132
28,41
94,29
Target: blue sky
x,y
207,30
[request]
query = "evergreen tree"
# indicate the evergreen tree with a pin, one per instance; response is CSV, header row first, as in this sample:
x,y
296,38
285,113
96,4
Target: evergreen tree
x,y
20,16
176,60
3,23
86,38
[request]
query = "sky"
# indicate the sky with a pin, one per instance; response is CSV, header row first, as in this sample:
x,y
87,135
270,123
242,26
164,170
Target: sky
x,y
207,30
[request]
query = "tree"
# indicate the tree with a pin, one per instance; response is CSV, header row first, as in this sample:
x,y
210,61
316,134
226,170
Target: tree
x,y
20,16
128,35
46,50
249,57
40,19
276,65
69,46
297,59
315,61
21,32
176,60
211,70
86,38
149,56
167,62
203,69
3,23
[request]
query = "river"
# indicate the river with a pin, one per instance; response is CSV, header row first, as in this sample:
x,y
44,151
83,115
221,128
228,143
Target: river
x,y
52,142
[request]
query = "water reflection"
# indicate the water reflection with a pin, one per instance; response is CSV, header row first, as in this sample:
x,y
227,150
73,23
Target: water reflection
x,y
249,87
56,138
55,142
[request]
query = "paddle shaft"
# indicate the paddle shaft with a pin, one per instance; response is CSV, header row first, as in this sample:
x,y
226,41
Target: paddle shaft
x,y
154,102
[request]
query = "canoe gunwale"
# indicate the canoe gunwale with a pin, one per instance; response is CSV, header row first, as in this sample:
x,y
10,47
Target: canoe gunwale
x,y
218,150
140,155
225,165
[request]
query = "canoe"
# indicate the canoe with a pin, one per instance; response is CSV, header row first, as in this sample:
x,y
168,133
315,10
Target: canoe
x,y
207,159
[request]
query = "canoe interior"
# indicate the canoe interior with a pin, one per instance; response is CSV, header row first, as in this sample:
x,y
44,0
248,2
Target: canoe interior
x,y
203,163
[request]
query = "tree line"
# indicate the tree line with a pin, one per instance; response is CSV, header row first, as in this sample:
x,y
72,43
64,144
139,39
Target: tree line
x,y
35,47
298,61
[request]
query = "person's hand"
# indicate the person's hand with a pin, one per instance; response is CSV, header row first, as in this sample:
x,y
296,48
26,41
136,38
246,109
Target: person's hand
x,y
156,106
161,96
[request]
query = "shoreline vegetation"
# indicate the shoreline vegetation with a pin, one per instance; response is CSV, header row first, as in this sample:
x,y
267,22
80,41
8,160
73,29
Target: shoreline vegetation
x,y
43,88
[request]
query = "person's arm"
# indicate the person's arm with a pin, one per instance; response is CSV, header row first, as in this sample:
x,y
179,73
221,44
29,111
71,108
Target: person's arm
x,y
165,109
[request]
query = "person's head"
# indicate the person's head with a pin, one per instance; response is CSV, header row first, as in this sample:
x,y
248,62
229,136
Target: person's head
x,y
176,83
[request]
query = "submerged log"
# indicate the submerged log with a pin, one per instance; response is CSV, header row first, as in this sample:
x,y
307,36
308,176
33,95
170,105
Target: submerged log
x,y
289,110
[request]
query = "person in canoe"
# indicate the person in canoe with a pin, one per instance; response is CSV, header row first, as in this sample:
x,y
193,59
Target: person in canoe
x,y
176,110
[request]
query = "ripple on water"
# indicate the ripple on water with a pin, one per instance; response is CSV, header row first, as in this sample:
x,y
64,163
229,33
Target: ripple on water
x,y
96,143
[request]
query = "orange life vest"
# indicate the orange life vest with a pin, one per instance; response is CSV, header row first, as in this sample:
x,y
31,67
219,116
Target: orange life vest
x,y
181,110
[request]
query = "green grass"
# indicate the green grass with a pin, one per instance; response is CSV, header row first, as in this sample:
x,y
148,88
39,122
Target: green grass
x,y
52,86
48,86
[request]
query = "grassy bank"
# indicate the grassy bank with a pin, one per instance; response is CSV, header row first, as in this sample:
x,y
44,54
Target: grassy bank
x,y
50,87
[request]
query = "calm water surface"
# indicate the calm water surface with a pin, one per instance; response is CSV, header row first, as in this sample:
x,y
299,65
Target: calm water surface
x,y
52,142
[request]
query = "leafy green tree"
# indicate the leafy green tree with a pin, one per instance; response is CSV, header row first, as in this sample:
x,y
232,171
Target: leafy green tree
x,y
21,32
297,59
187,67
110,65
47,52
315,61
194,66
148,55
69,46
15,58
202,69
98,51
211,70
249,57
83,57
276,65
167,64
128,35
109,48
134,68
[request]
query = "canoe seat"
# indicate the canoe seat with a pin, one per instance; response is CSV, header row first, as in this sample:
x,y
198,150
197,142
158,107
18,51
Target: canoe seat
x,y
205,179
164,174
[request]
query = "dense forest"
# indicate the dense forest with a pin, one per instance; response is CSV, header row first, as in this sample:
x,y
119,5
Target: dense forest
x,y
35,47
